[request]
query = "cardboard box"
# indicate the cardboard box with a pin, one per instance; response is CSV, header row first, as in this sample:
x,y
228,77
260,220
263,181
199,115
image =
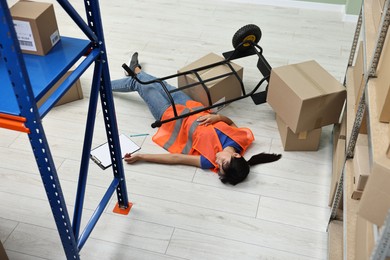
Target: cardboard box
x,y
222,89
361,164
36,26
305,96
375,202
358,73
304,141
74,93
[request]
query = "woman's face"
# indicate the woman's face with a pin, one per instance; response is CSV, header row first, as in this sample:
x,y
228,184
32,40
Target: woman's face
x,y
223,159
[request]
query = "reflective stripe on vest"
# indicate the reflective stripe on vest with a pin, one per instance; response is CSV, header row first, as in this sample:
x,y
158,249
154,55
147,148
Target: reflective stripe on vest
x,y
176,130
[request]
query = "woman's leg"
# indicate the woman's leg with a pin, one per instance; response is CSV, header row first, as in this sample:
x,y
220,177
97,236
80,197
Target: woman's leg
x,y
153,94
178,96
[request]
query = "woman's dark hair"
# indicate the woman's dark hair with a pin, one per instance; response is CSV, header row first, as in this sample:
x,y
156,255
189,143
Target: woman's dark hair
x,y
238,168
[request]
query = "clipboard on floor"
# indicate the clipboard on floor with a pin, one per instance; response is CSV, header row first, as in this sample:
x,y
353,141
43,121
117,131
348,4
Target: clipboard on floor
x,y
101,154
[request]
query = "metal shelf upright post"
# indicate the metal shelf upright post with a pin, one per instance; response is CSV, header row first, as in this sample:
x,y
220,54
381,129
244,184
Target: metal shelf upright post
x,y
19,111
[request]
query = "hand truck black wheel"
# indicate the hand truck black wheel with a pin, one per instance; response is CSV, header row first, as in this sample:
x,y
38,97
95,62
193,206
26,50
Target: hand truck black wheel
x,y
246,35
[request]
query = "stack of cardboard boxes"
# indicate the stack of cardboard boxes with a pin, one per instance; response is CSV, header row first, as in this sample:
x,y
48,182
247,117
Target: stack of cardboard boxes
x,y
37,31
305,97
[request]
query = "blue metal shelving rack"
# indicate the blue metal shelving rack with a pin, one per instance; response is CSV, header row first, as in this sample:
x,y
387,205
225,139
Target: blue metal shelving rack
x,y
23,82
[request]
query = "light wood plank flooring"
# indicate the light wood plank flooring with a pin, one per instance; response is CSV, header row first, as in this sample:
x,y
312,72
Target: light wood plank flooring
x,y
180,212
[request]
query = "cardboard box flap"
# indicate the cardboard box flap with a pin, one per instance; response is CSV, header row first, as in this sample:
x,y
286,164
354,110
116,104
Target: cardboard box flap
x,y
35,9
216,71
208,59
309,79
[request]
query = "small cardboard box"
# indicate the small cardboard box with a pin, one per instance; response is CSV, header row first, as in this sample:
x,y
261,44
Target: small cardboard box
x,y
304,141
305,96
74,93
36,26
375,202
358,73
222,89
361,164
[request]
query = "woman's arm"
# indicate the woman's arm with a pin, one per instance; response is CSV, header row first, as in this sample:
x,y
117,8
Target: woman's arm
x,y
214,118
184,159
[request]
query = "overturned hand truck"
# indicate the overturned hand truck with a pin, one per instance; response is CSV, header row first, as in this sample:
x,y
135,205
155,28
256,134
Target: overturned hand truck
x,y
245,44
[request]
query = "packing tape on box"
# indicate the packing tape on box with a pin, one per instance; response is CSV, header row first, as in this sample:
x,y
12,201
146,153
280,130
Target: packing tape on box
x,y
302,135
307,76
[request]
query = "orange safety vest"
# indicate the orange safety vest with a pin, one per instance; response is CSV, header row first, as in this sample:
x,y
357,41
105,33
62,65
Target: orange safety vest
x,y
187,137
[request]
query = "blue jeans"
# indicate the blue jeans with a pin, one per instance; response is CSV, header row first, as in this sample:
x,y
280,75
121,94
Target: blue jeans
x,y
153,94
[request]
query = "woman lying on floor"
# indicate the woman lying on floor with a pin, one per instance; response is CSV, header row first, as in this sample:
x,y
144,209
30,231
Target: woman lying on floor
x,y
205,140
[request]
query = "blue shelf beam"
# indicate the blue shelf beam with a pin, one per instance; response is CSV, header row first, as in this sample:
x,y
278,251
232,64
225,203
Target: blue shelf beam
x,y
42,72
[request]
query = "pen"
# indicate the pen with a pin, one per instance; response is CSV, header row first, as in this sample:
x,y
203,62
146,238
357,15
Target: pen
x,y
138,135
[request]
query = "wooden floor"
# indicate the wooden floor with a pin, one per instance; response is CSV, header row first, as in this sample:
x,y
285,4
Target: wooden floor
x,y
180,212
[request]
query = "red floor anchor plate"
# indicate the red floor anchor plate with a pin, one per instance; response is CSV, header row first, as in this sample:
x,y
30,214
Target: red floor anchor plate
x,y
122,211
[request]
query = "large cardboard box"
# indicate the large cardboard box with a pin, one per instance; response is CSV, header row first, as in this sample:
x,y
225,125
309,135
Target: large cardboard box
x,y
74,93
375,202
36,26
305,96
222,89
304,141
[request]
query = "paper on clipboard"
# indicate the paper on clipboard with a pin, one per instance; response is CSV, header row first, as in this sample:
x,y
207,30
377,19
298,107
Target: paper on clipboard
x,y
101,154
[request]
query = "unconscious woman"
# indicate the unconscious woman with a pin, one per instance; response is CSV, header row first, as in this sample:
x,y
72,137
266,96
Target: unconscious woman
x,y
205,140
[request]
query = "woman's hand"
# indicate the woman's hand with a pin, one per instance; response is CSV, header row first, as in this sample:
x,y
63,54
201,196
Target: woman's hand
x,y
132,158
209,119
214,118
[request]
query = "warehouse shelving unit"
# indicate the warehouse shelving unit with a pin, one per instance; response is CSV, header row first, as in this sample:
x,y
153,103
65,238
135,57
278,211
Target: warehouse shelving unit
x,y
26,78
373,50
